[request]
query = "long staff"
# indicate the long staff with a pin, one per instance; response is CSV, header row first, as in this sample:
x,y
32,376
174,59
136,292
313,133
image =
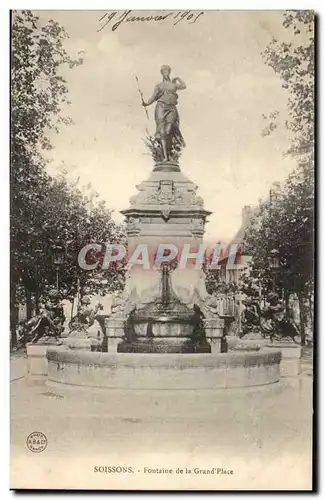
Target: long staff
x,y
142,97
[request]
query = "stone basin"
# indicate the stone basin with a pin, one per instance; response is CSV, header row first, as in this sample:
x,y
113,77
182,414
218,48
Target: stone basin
x,y
155,371
165,326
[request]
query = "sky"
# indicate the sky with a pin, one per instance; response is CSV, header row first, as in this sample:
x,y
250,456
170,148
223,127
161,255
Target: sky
x,y
229,87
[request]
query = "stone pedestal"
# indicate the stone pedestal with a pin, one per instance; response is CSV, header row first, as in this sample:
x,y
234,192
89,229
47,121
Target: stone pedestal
x,y
78,339
250,341
87,338
166,210
78,342
290,358
65,333
214,333
96,337
36,359
115,332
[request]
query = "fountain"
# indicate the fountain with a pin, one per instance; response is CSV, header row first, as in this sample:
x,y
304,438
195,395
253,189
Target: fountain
x,y
165,325
164,331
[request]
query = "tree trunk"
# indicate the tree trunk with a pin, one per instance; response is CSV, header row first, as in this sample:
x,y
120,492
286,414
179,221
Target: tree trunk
x,y
286,297
29,303
311,311
37,300
13,316
72,307
302,318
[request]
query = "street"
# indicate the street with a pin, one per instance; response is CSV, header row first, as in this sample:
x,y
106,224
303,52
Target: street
x,y
262,434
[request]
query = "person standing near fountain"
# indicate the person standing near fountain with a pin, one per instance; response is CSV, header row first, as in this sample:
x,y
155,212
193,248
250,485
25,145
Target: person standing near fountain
x,y
166,113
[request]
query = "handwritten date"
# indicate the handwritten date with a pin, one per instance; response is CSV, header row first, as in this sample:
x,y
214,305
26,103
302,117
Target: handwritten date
x,y
115,19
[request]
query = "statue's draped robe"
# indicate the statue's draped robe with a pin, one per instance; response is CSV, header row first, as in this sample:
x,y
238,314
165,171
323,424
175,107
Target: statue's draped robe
x,y
166,113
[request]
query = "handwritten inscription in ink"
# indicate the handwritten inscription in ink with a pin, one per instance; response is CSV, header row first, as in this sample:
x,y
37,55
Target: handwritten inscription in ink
x,y
115,19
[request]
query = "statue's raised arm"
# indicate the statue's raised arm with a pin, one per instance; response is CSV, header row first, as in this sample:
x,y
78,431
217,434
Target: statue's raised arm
x,y
166,114
179,83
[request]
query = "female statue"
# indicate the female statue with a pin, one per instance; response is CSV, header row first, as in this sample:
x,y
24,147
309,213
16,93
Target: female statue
x,y
166,113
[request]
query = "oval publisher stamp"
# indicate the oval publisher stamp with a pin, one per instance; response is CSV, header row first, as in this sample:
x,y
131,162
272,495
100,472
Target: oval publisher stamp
x,y
36,442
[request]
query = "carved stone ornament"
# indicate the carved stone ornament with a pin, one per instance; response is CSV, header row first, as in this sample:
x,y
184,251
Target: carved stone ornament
x,y
166,192
165,211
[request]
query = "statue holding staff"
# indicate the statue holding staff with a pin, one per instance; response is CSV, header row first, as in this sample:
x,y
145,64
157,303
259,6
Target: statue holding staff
x,y
166,113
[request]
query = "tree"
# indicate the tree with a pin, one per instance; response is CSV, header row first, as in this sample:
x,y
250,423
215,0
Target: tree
x,y
47,212
294,63
64,219
38,92
70,220
285,221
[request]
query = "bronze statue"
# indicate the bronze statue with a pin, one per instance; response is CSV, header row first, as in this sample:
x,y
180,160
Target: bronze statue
x,y
198,335
166,113
276,322
129,328
86,315
251,316
49,323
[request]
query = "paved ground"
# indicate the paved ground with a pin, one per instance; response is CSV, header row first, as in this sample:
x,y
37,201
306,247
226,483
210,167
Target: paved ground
x,y
263,435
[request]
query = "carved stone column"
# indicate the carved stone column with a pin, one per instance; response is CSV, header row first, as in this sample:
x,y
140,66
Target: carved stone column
x,y
214,333
115,332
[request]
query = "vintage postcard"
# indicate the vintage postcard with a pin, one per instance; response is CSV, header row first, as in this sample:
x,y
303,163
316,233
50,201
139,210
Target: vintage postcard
x,y
162,271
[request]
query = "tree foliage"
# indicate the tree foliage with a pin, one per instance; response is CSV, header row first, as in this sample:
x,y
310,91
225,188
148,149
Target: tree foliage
x,y
69,219
46,211
285,221
294,63
38,92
